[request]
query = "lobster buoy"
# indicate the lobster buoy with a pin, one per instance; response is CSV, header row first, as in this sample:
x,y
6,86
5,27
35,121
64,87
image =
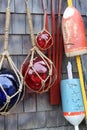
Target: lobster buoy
x,y
72,102
9,90
73,32
44,40
40,76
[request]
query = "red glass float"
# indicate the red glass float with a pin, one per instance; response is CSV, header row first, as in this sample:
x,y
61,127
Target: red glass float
x,y
44,40
39,76
38,71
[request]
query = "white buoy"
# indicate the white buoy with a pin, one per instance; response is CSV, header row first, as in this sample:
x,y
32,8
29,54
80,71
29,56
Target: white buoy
x,y
69,70
72,102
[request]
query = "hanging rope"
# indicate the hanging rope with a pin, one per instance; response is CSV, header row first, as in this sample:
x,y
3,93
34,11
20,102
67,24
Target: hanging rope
x,y
7,26
30,59
44,39
5,55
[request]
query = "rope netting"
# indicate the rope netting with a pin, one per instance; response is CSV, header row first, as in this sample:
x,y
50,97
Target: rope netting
x,y
38,70
44,39
11,80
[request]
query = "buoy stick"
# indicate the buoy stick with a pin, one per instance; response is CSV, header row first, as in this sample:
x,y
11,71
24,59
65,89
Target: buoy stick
x,y
76,127
78,60
69,2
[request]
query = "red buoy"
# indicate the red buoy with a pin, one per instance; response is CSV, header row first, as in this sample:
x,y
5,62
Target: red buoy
x,y
73,32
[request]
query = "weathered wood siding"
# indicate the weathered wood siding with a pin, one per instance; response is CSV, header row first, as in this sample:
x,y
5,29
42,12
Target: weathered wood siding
x,y
35,111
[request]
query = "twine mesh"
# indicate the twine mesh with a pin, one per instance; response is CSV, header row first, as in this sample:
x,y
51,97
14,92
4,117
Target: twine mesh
x,y
6,57
34,51
45,31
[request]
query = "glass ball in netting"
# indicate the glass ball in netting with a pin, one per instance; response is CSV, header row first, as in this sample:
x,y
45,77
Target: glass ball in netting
x,y
44,40
9,85
39,72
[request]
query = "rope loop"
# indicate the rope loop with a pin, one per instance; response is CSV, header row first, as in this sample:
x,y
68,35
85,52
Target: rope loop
x,y
20,90
43,83
31,64
5,53
50,71
8,99
33,48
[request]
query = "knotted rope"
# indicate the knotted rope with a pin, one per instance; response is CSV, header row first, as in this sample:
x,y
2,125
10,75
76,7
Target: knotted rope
x,y
33,52
5,56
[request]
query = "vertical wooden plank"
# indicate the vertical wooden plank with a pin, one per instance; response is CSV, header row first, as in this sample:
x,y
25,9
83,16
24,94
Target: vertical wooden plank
x,y
2,23
18,23
37,24
1,43
84,65
58,43
37,6
11,122
15,45
20,6
30,102
85,23
26,44
2,123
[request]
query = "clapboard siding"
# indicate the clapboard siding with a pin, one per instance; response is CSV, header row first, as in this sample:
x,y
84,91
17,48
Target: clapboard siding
x,y
13,122
18,23
15,44
31,121
2,23
26,44
2,123
85,23
1,43
19,6
36,22
34,112
30,102
82,6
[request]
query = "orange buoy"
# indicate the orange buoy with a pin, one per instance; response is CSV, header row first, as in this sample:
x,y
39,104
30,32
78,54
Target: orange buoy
x,y
73,32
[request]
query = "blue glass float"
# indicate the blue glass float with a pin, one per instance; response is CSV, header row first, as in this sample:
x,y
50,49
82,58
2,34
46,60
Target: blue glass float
x,y
9,87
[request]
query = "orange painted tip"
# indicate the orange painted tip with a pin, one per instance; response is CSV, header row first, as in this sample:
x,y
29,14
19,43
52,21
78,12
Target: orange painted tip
x,y
73,113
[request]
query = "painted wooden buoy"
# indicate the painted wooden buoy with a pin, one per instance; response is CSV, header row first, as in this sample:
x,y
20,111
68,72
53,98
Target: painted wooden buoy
x,y
72,102
73,32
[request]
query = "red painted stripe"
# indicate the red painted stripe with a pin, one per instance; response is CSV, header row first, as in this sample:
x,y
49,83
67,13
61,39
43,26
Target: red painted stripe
x,y
73,113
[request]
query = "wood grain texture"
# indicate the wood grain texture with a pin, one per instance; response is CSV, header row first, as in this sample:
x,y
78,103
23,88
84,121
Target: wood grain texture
x,y
35,111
